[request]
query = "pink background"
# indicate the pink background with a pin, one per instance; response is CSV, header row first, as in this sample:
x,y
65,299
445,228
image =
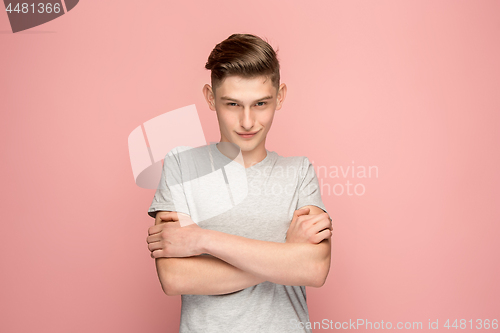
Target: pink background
x,y
411,87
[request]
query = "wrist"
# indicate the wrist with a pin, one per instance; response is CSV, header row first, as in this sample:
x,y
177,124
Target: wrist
x,y
204,240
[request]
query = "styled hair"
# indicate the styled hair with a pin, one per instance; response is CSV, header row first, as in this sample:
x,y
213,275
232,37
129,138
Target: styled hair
x,y
243,55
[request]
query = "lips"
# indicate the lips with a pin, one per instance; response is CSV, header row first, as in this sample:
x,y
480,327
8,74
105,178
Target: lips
x,y
247,135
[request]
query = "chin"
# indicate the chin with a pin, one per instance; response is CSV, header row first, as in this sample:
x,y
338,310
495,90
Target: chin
x,y
249,146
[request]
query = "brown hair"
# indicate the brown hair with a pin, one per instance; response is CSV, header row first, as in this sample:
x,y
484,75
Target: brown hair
x,y
243,55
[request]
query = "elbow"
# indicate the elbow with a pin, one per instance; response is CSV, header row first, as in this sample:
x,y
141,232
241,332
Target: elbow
x,y
319,282
320,271
169,287
167,276
169,292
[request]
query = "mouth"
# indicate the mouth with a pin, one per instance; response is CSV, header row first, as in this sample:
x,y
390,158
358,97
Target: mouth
x,y
247,135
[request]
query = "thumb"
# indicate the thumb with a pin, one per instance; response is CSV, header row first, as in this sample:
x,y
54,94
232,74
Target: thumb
x,y
299,212
170,216
302,211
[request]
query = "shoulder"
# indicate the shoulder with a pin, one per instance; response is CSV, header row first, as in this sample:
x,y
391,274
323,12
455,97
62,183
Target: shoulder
x,y
186,151
297,161
287,160
299,166
186,154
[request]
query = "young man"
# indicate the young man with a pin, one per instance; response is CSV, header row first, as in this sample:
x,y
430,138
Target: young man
x,y
240,251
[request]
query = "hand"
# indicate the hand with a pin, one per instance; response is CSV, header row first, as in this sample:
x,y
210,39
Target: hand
x,y
170,216
170,238
309,228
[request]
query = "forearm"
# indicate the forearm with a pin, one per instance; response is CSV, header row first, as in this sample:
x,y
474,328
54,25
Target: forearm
x,y
296,264
202,275
239,263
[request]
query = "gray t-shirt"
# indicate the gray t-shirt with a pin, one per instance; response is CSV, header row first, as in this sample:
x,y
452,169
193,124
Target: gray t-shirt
x,y
256,202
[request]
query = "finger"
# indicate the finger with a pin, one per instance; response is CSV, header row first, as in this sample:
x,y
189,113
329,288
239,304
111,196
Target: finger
x,y
154,238
321,225
302,211
299,212
157,254
155,246
326,223
296,214
311,219
158,228
320,217
325,234
170,216
155,229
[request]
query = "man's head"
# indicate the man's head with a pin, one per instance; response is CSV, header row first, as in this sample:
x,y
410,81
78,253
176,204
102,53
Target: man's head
x,y
245,89
243,55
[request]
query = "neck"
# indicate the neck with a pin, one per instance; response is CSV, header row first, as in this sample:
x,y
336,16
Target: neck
x,y
245,158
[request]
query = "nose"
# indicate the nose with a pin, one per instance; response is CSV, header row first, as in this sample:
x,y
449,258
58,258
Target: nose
x,y
247,121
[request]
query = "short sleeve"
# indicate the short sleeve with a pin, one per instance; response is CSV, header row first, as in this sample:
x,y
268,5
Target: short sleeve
x,y
170,194
309,190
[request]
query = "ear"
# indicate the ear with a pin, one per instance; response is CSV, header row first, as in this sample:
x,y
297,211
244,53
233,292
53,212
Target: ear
x,y
281,96
209,96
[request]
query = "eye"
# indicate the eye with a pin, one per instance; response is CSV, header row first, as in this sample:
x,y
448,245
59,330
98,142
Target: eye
x,y
263,103
231,104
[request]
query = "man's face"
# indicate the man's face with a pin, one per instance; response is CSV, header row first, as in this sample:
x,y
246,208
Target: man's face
x,y
245,106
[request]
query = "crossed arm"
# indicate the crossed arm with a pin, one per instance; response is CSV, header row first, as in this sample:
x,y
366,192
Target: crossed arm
x,y
236,262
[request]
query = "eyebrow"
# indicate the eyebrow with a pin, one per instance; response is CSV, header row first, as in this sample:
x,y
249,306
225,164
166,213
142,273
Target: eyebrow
x,y
227,98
